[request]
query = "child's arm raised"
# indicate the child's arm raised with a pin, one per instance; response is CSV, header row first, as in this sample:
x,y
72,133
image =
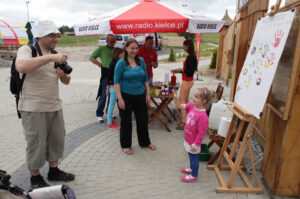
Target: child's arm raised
x,y
177,103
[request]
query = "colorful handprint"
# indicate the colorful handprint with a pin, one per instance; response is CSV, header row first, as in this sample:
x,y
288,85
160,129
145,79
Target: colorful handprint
x,y
258,81
278,35
269,60
245,71
253,50
259,62
252,64
265,51
247,84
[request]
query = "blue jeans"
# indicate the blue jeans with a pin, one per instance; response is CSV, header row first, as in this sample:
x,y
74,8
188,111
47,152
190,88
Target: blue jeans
x,y
194,164
102,99
111,106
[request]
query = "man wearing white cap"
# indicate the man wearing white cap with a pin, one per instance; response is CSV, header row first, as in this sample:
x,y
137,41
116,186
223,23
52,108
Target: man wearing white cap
x,y
40,105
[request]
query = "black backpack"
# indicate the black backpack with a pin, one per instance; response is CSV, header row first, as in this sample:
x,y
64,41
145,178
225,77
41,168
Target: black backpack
x,y
16,83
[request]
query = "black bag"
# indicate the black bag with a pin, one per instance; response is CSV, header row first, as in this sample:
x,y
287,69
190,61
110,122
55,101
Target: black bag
x,y
16,83
41,193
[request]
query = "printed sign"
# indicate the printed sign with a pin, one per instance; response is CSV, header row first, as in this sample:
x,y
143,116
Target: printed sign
x,y
262,60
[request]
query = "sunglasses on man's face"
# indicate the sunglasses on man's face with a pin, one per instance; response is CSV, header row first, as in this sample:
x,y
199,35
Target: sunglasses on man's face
x,y
112,42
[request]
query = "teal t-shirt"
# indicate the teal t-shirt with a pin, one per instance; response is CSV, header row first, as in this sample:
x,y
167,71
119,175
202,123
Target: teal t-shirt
x,y
131,80
104,53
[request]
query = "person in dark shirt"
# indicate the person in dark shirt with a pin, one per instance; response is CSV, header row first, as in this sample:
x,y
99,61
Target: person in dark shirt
x,y
116,55
190,65
104,53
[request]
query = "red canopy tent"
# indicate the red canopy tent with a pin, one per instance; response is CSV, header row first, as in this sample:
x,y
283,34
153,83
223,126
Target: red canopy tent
x,y
149,16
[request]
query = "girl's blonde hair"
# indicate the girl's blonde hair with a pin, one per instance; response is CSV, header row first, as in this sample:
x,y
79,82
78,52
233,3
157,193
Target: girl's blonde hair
x,y
206,94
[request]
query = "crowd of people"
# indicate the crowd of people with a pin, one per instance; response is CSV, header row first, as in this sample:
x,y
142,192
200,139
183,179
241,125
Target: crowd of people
x,y
126,75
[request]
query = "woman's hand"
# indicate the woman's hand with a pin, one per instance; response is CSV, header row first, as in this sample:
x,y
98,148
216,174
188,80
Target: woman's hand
x,y
121,103
148,99
178,70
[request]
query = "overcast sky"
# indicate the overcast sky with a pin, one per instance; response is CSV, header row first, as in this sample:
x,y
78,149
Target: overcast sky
x,y
70,12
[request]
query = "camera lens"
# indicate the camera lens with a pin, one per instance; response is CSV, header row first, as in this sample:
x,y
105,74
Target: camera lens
x,y
66,68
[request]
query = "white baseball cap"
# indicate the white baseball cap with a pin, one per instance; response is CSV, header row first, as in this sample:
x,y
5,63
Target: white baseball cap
x,y
46,28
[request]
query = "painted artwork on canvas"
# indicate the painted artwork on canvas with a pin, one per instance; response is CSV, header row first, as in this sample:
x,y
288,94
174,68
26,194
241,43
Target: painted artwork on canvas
x,y
261,62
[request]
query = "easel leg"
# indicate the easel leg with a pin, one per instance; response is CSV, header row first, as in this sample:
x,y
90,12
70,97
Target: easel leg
x,y
252,163
235,165
227,140
240,154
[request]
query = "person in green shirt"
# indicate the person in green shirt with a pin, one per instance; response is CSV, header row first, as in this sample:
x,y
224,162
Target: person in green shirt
x,y
105,55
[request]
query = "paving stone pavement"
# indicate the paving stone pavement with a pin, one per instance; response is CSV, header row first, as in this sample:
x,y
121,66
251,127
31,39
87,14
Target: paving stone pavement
x,y
93,153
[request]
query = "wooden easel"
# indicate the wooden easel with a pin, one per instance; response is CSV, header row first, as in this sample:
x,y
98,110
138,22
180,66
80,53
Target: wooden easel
x,y
234,164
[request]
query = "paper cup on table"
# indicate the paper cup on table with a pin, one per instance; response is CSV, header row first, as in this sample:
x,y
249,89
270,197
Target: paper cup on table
x,y
224,126
157,91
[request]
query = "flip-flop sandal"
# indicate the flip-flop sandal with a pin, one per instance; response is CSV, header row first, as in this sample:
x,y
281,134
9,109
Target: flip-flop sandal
x,y
127,151
152,147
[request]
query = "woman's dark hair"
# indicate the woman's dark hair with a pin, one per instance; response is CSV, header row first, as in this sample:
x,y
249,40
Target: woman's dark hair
x,y
190,44
136,58
116,53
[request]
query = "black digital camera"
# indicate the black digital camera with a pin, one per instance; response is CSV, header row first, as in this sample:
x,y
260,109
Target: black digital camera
x,y
65,66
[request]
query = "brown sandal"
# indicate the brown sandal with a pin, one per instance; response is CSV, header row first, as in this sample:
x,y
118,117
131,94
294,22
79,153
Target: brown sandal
x,y
152,146
127,151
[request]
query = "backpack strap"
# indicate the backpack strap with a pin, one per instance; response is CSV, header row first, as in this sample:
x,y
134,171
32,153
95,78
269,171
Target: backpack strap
x,y
37,47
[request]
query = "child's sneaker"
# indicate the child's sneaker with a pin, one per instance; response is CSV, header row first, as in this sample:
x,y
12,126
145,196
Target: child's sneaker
x,y
115,123
186,170
112,126
188,179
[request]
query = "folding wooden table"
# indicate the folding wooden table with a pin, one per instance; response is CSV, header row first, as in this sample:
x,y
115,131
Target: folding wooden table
x,y
160,107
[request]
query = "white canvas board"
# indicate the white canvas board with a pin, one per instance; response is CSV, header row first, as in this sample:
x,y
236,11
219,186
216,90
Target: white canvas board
x,y
262,60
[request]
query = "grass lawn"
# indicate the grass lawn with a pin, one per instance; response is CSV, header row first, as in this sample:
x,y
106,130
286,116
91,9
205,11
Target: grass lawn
x,y
210,38
205,37
205,49
168,34
67,41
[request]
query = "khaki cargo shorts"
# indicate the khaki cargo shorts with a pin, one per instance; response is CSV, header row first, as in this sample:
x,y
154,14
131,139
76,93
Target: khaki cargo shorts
x,y
45,136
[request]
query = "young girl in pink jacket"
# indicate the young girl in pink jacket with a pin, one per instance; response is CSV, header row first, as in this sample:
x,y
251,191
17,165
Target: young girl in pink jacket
x,y
195,128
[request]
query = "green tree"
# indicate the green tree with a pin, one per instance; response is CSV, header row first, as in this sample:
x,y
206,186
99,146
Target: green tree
x,y
172,57
65,28
213,62
187,35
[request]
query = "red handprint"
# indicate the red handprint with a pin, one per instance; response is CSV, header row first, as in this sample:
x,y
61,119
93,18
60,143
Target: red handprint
x,y
278,36
269,60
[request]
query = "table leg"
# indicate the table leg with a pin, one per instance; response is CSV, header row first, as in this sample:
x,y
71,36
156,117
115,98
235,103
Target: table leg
x,y
160,105
156,114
